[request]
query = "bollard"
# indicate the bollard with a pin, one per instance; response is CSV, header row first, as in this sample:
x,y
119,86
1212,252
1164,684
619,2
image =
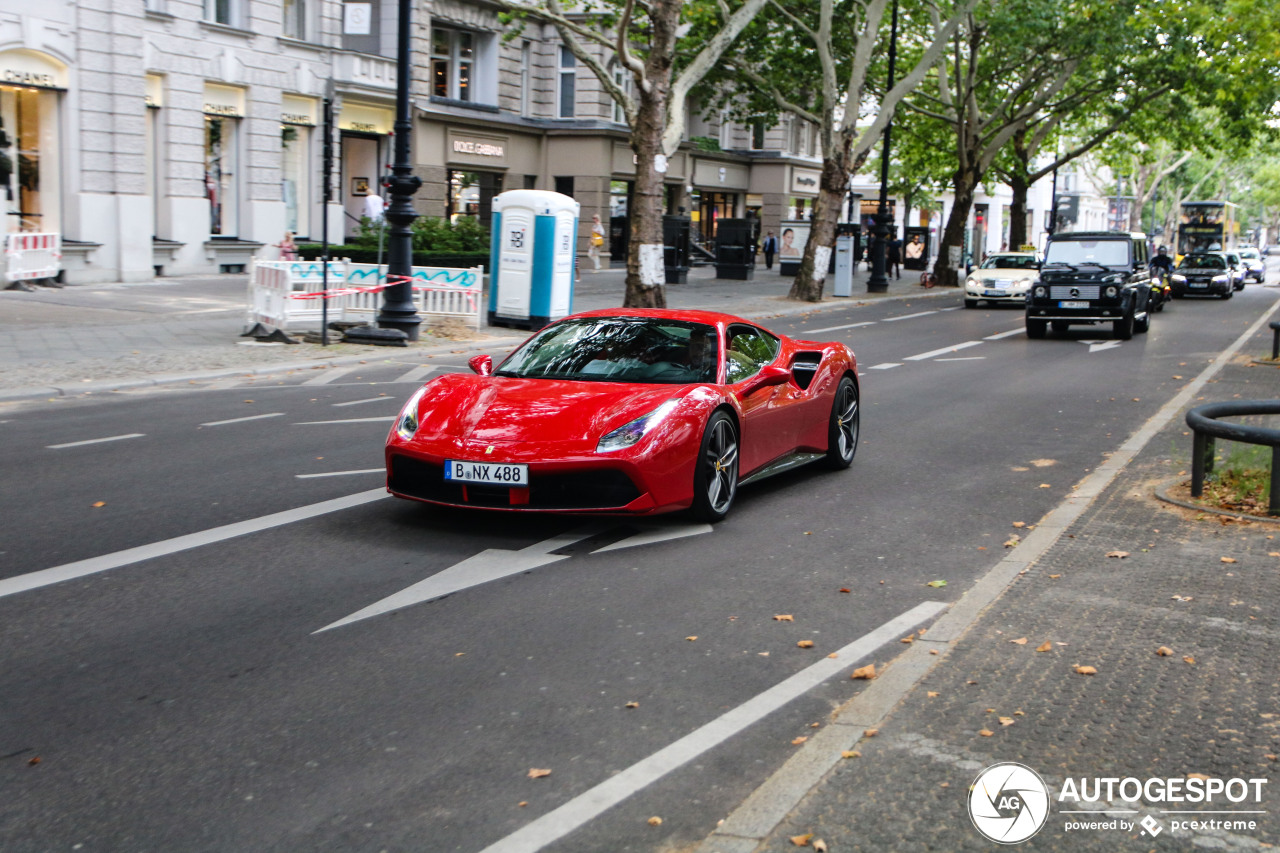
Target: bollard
x,y
1275,341
1206,428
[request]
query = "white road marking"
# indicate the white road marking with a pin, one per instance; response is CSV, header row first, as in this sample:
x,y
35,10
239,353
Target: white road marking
x,y
838,328
341,473
489,565
242,420
952,308
1101,346
908,316
93,565
95,441
1009,334
559,822
386,419
885,365
657,534
417,374
369,400
924,356
329,375
965,358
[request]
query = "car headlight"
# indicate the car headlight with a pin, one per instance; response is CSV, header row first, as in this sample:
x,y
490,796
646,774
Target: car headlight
x,y
972,282
407,423
1219,279
1112,291
1041,293
630,433
1180,279
1022,282
1114,279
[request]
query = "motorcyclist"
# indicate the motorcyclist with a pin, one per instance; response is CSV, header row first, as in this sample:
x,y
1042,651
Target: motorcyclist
x,y
1162,266
1162,261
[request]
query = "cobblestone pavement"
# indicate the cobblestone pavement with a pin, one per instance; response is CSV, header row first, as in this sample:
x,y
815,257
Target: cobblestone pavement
x,y
1205,588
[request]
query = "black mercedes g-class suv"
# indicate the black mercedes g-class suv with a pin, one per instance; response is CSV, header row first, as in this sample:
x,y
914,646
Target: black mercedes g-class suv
x,y
1092,277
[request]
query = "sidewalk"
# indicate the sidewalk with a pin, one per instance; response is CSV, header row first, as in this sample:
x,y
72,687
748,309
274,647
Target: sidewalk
x,y
976,689
95,338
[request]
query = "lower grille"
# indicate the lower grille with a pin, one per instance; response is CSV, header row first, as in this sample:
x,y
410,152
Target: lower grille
x,y
1082,291
601,489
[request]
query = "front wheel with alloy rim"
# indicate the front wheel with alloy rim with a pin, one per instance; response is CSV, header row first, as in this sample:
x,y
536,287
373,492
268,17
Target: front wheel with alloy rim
x,y
715,477
842,432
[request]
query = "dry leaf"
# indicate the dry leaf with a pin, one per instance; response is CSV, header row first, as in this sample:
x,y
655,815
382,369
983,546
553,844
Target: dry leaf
x,y
785,617
536,773
763,654
1055,577
1273,554
1019,714
815,725
1012,541
1119,554
1045,486
936,584
1164,651
1085,670
985,732
798,741
1228,559
655,821
801,840
522,804
1046,646
691,639
819,846
632,705
868,672
805,644
248,401
1270,756
850,753
1007,721
1019,524
845,589
907,640
933,651
99,504
33,761
1189,659
1021,641
870,732
932,694
1197,776
833,655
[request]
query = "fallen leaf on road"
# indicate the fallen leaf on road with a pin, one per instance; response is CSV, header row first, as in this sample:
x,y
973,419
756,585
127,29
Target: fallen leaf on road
x,y
936,584
1007,721
691,639
536,773
868,672
655,821
763,654
1019,524
1197,776
1180,597
850,753
870,732
33,762
1019,714
1164,651
1046,646
805,644
819,846
632,705
1273,554
1012,541
99,504
1045,486
986,732
1055,577
1228,559
815,725
907,640
798,741
1021,641
801,840
1118,554
1085,670
932,694
833,655
1176,376
248,401
1189,659
845,589
1270,756
522,804
786,617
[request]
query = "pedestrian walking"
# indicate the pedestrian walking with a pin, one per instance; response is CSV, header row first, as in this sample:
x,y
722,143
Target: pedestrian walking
x,y
895,257
597,240
770,248
288,248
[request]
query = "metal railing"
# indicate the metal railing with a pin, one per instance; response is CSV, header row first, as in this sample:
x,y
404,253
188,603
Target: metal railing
x,y
1203,422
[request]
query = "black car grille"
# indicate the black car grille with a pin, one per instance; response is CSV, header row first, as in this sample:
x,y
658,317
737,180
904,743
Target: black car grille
x,y
599,489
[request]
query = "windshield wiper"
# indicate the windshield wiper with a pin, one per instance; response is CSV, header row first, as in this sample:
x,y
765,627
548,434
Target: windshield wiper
x,y
1060,264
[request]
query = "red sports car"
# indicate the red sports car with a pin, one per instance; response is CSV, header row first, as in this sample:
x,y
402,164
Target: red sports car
x,y
627,411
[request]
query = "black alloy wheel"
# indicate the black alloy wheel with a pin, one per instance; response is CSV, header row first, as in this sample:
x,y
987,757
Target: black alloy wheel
x,y
715,477
842,431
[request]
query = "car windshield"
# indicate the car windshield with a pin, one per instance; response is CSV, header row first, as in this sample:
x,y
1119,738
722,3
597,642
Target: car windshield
x,y
1010,262
619,349
1107,253
1250,254
1203,262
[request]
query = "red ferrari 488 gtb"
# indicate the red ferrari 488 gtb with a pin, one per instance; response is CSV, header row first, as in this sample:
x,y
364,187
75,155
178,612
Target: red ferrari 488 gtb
x,y
627,411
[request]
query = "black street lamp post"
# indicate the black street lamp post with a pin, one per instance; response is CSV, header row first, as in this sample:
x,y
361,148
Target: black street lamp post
x,y
878,281
398,311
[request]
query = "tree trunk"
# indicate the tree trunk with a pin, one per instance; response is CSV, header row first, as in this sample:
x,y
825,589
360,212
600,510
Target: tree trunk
x,y
947,272
808,283
1018,212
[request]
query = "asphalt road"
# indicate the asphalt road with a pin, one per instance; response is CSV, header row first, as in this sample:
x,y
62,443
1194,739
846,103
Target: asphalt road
x,y
187,698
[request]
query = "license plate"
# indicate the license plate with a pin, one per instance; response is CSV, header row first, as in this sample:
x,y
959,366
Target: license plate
x,y
1198,284
1073,304
994,293
490,473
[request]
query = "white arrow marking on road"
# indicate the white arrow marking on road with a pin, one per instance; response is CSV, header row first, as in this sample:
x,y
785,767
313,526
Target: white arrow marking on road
x,y
655,535
1099,346
489,565
937,352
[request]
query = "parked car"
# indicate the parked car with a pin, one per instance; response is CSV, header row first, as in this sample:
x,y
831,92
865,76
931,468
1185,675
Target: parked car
x,y
1092,277
627,411
1003,277
1257,267
1203,274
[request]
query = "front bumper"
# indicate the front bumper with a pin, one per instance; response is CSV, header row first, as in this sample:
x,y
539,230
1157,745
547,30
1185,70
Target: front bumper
x,y
1185,288
1092,314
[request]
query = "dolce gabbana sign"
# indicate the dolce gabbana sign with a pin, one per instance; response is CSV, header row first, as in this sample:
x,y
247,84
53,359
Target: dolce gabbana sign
x,y
464,147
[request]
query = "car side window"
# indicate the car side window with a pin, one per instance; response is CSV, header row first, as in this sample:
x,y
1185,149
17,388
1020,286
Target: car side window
x,y
749,350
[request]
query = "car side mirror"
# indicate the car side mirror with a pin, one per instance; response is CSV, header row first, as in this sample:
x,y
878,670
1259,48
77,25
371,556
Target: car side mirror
x,y
769,376
482,364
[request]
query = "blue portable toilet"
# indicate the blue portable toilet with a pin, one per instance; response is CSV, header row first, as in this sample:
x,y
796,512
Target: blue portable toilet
x,y
531,258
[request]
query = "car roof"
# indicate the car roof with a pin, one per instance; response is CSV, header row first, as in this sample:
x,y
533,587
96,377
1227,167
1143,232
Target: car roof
x,y
1099,235
710,318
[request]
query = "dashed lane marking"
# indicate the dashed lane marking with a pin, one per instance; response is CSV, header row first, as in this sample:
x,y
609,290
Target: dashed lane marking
x,y
386,419
1008,334
885,365
329,375
243,420
561,821
838,328
341,473
924,356
417,374
93,565
964,358
908,316
95,441
369,400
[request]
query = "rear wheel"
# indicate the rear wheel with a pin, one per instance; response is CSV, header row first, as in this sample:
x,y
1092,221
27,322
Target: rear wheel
x,y
1122,329
1036,328
715,479
842,432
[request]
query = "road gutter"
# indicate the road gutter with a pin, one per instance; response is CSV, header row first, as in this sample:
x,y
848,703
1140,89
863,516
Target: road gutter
x,y
754,821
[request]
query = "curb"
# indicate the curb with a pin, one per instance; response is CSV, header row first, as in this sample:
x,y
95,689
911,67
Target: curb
x,y
1162,493
751,824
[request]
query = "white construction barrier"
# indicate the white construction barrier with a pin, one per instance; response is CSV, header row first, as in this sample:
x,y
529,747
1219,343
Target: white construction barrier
x,y
31,256
288,293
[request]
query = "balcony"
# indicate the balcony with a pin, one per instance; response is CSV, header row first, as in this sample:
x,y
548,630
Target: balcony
x,y
364,71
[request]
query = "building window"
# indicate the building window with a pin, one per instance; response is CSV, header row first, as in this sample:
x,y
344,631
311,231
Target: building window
x,y
799,132
622,79
526,76
726,136
223,12
220,179
453,57
568,82
152,144
295,19
564,185
295,188
757,135
28,160
471,195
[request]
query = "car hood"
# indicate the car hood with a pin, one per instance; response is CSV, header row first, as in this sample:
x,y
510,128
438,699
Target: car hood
x,y
1003,275
502,410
